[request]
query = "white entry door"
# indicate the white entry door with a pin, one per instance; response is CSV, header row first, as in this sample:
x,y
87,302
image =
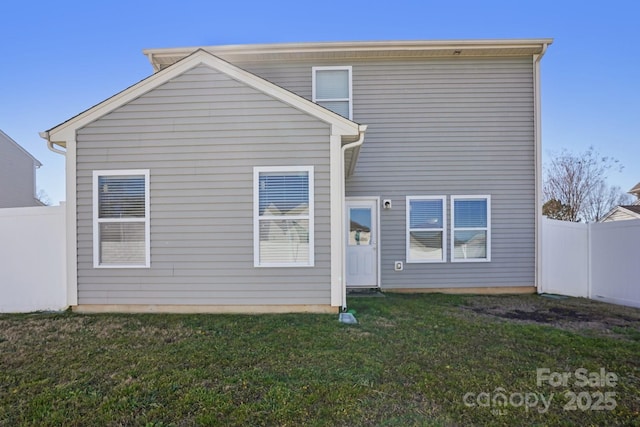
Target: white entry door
x,y
362,243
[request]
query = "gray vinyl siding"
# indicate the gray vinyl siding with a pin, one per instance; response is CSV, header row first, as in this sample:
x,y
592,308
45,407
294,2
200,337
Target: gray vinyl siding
x,y
455,126
17,176
200,135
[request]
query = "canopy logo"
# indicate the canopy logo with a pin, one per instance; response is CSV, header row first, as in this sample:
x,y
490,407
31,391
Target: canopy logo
x,y
500,400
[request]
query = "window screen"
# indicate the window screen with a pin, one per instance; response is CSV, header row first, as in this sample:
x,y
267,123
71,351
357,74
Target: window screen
x,y
426,229
284,217
471,228
121,228
332,89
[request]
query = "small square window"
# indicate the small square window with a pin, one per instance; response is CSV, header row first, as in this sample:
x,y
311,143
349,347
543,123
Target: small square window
x,y
332,89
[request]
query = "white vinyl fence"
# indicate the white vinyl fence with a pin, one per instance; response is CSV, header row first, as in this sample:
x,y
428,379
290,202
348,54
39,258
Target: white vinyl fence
x,y
598,261
32,259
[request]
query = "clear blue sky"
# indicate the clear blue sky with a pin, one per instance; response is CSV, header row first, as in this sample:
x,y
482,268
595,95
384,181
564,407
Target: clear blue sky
x,y
62,57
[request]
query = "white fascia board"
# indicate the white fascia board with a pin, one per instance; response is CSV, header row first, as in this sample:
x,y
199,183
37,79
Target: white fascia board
x,y
386,44
341,47
66,130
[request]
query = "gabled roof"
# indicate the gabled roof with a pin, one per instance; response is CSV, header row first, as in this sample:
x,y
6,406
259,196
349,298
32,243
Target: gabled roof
x,y
635,190
162,58
632,208
65,131
10,140
631,211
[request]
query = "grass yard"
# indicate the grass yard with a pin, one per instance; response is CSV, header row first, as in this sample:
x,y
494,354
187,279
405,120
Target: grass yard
x,y
412,360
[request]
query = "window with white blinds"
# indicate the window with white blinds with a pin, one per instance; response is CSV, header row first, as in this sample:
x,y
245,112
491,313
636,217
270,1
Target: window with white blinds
x,y
283,216
471,228
121,218
426,229
332,89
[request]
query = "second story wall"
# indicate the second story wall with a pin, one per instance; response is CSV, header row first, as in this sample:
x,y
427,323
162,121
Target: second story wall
x,y
17,175
442,127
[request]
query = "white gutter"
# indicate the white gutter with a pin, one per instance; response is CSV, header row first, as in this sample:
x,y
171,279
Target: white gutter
x,y
355,145
538,165
45,135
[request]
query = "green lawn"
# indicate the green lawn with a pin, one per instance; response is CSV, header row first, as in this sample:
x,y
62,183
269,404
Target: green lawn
x,y
412,360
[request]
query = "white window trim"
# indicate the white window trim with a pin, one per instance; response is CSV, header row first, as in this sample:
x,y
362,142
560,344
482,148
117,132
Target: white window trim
x,y
349,68
256,214
409,229
97,221
487,228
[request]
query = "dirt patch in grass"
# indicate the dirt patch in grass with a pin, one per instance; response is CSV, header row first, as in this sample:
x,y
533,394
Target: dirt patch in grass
x,y
574,314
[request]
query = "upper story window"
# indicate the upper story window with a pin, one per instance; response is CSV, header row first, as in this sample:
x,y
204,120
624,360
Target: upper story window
x,y
471,228
121,218
283,216
332,89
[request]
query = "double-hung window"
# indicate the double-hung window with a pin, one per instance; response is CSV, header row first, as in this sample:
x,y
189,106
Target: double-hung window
x,y
471,228
426,229
332,89
283,216
121,218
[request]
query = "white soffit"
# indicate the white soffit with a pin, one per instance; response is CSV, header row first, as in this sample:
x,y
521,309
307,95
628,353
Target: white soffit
x,y
161,58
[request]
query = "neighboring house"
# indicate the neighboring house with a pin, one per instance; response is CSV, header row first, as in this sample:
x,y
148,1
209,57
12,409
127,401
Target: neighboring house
x,y
625,212
239,178
17,175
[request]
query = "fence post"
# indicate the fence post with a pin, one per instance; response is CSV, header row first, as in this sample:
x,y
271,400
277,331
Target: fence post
x,y
589,260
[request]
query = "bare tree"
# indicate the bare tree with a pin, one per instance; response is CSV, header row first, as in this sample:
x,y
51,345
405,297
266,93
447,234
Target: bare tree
x,y
602,199
577,185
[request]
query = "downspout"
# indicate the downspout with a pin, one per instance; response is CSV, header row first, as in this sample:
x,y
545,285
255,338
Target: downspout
x,y
45,135
71,251
538,165
356,151
356,146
